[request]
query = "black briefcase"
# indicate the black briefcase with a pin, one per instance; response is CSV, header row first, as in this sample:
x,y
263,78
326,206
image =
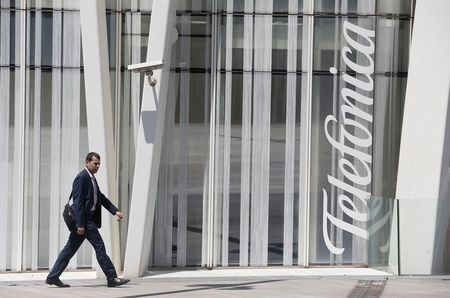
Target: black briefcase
x,y
69,217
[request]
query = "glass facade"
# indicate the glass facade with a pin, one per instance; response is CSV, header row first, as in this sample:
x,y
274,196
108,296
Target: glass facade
x,y
246,152
43,119
257,55
363,115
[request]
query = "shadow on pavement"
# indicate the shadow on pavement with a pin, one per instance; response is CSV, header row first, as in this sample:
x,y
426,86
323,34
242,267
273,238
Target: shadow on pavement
x,y
203,287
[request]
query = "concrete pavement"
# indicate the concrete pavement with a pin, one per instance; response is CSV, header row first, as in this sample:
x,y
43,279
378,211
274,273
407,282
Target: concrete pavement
x,y
281,282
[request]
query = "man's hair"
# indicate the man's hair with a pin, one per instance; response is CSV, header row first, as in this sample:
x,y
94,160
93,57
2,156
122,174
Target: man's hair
x,y
91,155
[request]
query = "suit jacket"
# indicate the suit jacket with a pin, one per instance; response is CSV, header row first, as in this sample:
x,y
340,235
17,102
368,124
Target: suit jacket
x,y
83,200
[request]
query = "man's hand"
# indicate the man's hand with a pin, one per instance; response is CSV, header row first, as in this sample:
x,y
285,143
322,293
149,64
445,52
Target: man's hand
x,y
80,231
119,215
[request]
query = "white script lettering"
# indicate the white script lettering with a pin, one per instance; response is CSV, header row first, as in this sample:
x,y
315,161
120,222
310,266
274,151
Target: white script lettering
x,y
347,143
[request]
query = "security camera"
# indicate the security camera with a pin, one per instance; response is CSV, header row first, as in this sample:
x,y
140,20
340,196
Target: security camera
x,y
147,68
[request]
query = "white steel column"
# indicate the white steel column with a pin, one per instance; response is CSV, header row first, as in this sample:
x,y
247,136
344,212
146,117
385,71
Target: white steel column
x,y
305,135
143,199
5,180
99,111
19,145
289,166
423,172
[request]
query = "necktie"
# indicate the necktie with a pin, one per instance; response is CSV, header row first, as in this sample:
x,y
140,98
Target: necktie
x,y
94,184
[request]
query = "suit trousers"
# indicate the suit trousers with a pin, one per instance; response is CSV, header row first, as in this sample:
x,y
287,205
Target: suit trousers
x,y
93,236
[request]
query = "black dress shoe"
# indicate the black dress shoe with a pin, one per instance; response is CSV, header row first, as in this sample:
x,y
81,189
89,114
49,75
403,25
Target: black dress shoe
x,y
57,282
117,282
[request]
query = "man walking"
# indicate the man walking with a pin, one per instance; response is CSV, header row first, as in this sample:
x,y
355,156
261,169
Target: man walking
x,y
87,203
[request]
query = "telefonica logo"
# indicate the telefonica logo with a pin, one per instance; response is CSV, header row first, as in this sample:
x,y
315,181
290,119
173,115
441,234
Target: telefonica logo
x,y
346,143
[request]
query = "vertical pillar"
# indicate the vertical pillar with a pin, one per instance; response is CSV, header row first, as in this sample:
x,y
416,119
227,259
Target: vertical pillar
x,y
148,149
423,173
99,111
19,146
305,138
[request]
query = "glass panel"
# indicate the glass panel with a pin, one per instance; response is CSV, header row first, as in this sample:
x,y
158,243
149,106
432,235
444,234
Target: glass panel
x,y
341,176
8,22
182,187
363,7
284,171
136,23
55,133
111,4
392,45
111,39
280,28
389,102
232,142
193,5
257,129
257,141
396,7
182,183
279,6
9,4
329,40
196,40
66,4
135,30
137,5
279,43
356,123
383,240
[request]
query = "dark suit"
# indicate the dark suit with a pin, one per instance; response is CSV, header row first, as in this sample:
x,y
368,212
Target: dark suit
x,y
83,202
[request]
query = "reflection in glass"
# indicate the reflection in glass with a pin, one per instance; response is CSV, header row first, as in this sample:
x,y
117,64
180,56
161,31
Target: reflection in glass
x,y
383,234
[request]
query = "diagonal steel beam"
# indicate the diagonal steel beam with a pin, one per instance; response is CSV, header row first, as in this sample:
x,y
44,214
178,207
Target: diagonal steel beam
x,y
148,151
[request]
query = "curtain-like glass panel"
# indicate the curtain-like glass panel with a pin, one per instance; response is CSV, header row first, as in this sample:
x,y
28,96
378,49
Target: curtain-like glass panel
x,y
182,185
71,157
52,85
392,42
256,66
333,213
257,137
7,95
54,132
360,67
